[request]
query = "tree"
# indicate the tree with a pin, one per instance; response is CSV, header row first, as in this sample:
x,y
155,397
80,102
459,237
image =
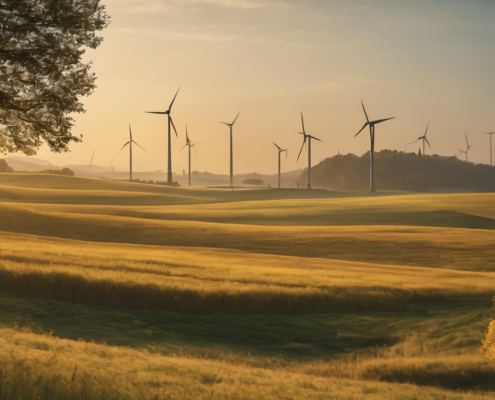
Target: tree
x,y
42,75
63,171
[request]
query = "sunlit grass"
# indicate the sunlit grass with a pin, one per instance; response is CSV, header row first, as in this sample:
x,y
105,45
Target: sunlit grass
x,y
38,365
243,294
205,280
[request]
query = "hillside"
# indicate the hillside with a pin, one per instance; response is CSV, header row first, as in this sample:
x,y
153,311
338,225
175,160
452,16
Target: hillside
x,y
402,171
119,289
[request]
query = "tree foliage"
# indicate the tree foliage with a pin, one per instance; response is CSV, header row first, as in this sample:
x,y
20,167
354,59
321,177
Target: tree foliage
x,y
401,171
63,171
42,75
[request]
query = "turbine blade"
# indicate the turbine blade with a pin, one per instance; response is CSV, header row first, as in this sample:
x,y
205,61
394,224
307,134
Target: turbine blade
x,y
175,130
365,112
198,142
235,119
381,120
364,126
427,142
302,147
171,104
276,145
467,144
312,137
156,112
302,120
224,123
137,145
119,152
427,128
195,150
183,147
130,131
414,141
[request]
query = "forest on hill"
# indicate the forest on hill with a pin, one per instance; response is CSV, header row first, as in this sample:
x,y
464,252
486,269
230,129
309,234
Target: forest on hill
x,y
401,171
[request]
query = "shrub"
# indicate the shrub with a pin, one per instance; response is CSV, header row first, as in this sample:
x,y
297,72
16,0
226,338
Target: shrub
x,y
63,171
252,181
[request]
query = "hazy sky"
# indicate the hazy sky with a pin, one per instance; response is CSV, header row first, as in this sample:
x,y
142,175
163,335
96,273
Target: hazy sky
x,y
270,60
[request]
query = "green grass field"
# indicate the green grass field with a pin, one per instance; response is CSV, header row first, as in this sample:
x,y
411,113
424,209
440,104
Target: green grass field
x,y
127,290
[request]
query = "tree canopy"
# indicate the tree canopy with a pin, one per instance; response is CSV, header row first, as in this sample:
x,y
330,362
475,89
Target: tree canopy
x,y
401,171
42,75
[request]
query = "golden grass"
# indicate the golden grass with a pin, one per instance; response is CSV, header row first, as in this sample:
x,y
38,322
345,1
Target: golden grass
x,y
394,245
38,365
197,280
489,342
200,251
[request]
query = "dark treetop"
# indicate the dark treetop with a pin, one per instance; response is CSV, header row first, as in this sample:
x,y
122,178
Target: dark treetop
x,y
41,73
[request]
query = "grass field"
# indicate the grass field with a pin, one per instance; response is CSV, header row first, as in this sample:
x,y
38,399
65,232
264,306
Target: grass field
x,y
126,290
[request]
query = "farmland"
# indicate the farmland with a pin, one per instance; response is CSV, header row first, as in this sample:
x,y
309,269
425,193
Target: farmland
x,y
127,290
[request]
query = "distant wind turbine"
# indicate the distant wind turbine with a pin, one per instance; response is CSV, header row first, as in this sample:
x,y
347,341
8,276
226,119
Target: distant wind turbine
x,y
92,155
190,144
280,151
490,133
468,147
424,139
231,151
372,137
308,138
91,161
170,122
130,142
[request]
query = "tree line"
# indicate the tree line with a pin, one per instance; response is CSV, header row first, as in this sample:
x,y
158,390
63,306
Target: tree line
x,y
401,171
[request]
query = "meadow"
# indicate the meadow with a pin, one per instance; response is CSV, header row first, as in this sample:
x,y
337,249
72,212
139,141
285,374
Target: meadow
x,y
128,290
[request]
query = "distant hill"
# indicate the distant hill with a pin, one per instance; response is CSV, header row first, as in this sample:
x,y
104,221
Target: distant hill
x,y
401,171
29,159
34,164
28,164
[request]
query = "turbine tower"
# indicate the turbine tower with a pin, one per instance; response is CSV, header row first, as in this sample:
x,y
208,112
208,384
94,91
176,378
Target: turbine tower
x,y
490,133
190,144
280,151
92,155
372,137
170,122
231,153
468,147
130,142
308,138
424,139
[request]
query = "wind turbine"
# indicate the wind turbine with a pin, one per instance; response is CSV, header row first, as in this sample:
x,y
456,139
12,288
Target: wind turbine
x,y
280,151
231,154
190,144
92,155
308,137
372,137
468,147
424,139
490,133
130,142
170,122
460,153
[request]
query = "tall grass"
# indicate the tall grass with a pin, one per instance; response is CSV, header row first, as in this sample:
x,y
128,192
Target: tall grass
x,y
41,366
205,281
489,342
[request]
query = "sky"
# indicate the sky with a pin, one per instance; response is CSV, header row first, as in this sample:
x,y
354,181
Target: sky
x,y
271,60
